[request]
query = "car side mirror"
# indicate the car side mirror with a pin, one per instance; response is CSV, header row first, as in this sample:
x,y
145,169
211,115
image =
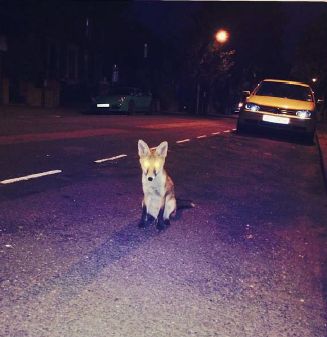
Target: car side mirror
x,y
246,93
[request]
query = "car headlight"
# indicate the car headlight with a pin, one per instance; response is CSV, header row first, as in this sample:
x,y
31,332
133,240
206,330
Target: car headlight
x,y
252,107
303,113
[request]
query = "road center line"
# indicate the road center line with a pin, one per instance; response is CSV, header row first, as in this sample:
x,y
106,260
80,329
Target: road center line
x,y
111,158
215,133
227,130
202,136
183,141
30,176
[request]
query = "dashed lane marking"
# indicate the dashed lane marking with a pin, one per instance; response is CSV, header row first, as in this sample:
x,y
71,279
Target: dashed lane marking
x,y
42,174
30,176
183,141
111,158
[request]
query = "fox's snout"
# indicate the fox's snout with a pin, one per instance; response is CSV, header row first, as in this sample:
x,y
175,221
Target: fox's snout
x,y
150,172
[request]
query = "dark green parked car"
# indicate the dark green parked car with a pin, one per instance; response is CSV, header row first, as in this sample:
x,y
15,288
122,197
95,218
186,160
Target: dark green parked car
x,y
122,99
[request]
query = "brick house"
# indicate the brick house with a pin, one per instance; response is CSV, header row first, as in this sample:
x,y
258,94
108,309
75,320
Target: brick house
x,y
48,56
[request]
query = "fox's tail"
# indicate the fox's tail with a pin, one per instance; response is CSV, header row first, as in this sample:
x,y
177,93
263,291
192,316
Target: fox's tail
x,y
184,203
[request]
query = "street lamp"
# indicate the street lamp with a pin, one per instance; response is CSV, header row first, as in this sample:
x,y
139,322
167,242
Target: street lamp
x,y
222,36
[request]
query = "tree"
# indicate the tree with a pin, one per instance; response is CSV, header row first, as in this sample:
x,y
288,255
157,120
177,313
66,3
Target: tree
x,y
310,61
252,52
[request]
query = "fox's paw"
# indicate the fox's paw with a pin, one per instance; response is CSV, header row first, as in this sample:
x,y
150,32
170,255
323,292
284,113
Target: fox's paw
x,y
147,221
142,224
167,223
161,225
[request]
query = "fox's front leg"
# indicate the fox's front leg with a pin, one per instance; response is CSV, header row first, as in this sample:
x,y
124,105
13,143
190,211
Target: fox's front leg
x,y
146,219
162,223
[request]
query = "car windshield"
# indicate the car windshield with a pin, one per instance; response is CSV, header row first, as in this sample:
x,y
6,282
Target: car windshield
x,y
284,90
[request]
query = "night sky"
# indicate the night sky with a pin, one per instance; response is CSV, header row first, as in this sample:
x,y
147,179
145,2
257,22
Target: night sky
x,y
167,18
164,20
264,36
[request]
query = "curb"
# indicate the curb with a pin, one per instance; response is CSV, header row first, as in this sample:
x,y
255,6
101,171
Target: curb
x,y
186,114
322,162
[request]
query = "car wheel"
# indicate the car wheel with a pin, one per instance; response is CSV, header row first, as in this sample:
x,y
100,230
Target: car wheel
x,y
131,107
309,138
240,127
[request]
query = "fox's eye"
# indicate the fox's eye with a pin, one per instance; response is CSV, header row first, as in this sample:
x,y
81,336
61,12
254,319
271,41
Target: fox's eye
x,y
146,164
156,164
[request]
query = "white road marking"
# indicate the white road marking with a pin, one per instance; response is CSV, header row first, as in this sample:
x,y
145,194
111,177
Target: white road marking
x,y
42,174
183,141
30,176
111,158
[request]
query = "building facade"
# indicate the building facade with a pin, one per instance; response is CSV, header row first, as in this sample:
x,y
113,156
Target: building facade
x,y
48,57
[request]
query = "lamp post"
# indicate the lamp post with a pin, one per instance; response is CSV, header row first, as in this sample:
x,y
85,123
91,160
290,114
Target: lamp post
x,y
221,36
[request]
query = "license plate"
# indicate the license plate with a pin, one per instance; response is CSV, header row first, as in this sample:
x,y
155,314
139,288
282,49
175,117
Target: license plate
x,y
275,119
103,105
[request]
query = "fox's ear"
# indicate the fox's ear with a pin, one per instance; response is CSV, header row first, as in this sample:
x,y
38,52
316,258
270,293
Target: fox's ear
x,y
162,149
143,148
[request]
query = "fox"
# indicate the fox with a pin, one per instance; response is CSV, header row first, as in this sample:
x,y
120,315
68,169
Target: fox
x,y
159,202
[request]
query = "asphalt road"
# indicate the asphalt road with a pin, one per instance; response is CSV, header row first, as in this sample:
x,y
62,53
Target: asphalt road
x,y
248,260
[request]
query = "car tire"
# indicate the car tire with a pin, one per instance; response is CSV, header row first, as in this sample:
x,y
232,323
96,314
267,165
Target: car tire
x,y
131,107
240,127
309,138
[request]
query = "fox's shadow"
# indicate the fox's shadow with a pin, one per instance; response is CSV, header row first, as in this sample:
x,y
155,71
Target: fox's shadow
x,y
90,265
179,214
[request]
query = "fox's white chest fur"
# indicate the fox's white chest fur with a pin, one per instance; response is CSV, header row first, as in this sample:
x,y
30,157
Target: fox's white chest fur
x,y
154,193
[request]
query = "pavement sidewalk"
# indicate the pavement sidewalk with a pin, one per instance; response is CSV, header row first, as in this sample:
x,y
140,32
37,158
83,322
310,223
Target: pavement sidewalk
x,y
321,136
16,111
